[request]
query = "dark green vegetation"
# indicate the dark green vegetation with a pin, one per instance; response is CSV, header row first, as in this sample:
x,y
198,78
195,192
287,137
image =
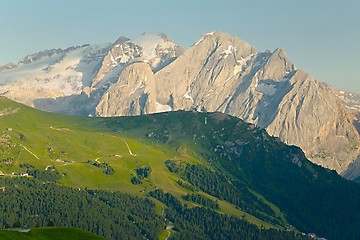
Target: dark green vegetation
x,y
107,169
223,187
204,223
141,173
51,233
216,169
113,215
200,199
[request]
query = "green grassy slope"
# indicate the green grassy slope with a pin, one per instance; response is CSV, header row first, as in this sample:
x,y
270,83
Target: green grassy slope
x,y
250,174
50,233
71,145
67,143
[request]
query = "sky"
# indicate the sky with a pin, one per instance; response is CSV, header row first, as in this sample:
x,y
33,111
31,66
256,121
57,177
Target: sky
x,y
322,37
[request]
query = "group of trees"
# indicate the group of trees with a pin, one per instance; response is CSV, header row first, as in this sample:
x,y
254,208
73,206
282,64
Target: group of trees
x,y
113,215
200,199
141,173
107,169
187,186
205,223
221,186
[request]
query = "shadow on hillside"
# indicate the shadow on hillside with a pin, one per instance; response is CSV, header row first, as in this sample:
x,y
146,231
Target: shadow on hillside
x,y
79,104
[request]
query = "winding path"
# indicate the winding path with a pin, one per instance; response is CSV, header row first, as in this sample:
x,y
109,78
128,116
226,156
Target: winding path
x,y
169,233
127,145
31,152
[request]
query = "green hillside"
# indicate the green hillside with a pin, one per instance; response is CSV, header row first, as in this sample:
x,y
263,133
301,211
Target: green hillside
x,y
50,233
192,171
70,148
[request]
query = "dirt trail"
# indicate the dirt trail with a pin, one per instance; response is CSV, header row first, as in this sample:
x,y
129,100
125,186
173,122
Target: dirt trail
x,y
31,152
127,145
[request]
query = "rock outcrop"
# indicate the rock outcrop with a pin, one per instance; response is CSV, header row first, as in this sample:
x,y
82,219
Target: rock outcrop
x,y
133,94
155,49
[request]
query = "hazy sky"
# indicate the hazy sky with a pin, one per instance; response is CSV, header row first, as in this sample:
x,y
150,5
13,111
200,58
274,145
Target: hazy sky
x,y
320,36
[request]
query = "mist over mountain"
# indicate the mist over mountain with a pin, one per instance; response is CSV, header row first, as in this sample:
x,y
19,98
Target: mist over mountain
x,y
219,72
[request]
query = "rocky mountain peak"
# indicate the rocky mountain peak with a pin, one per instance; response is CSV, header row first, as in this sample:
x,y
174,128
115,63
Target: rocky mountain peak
x,y
49,53
155,49
7,66
121,40
133,94
225,44
277,65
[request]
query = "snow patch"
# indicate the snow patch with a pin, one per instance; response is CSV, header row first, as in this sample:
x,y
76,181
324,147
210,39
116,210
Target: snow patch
x,y
125,58
148,43
267,89
112,76
203,37
243,61
285,79
237,69
64,74
140,85
162,108
60,73
256,64
199,41
356,107
187,95
230,50
113,61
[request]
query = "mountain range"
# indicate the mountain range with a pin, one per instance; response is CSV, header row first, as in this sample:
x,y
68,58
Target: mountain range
x,y
219,73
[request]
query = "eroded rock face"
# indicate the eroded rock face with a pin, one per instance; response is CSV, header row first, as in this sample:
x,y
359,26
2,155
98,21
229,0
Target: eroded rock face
x,y
133,94
156,49
312,118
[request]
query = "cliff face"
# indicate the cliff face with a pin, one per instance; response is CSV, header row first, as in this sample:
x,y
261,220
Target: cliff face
x,y
155,49
133,94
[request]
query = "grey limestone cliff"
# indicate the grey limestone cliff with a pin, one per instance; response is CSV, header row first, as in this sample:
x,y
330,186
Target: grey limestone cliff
x,y
133,94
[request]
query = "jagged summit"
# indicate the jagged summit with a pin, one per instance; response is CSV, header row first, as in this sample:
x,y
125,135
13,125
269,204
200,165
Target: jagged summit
x,y
155,49
278,65
49,53
7,66
219,72
137,81
121,40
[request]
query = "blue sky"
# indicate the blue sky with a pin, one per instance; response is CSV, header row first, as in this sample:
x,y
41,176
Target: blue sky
x,y
320,36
